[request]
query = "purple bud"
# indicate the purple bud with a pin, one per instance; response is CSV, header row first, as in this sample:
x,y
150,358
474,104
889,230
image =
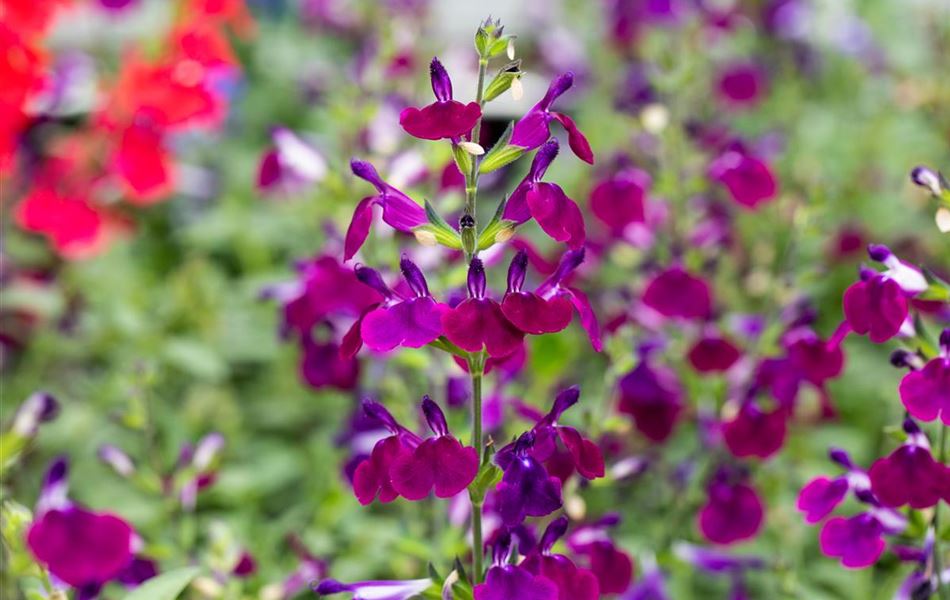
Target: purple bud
x,y
117,459
542,160
55,486
911,427
866,496
38,408
554,532
562,402
879,252
928,178
378,412
414,278
945,340
373,279
434,417
569,261
899,358
866,273
560,85
330,586
366,171
524,443
441,84
476,279
517,271
841,457
207,449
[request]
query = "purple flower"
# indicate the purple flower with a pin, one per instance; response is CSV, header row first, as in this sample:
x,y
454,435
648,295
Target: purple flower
x,y
910,475
39,407
375,590
291,166
713,354
714,561
506,581
755,432
877,304
478,321
741,84
81,548
857,541
411,322
677,293
528,311
653,397
733,511
555,286
408,466
444,118
556,214
926,392
821,496
749,179
323,365
573,583
526,489
619,201
533,129
650,587
400,211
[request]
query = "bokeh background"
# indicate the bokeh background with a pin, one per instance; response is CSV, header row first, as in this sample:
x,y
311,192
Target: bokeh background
x,y
162,336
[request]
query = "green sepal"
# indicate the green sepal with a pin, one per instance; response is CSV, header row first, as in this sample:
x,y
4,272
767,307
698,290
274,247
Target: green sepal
x,y
487,478
502,153
502,80
462,159
440,231
938,288
496,227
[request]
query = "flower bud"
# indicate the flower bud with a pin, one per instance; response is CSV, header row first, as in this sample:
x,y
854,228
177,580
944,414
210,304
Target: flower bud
x,y
927,178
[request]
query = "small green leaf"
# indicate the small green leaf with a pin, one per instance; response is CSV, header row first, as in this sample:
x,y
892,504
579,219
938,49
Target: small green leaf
x,y
462,159
488,477
166,586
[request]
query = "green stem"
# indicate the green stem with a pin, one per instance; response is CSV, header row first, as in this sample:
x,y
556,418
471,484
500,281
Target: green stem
x,y
942,590
475,368
471,178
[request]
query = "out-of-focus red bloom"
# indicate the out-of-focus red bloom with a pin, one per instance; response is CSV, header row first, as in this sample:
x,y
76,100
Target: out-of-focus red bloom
x,y
31,16
233,13
142,162
74,226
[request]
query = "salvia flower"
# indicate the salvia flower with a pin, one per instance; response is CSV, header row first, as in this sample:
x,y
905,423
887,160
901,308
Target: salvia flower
x,y
533,129
652,395
556,286
878,304
400,212
926,392
292,165
526,489
677,293
39,407
505,581
411,322
375,590
619,201
821,496
910,475
748,179
857,541
612,566
478,321
528,311
556,214
754,431
573,582
713,353
82,548
406,465
444,118
733,511
741,84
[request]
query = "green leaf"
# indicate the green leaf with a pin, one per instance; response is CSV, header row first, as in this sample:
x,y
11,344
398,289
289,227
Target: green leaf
x,y
938,290
166,586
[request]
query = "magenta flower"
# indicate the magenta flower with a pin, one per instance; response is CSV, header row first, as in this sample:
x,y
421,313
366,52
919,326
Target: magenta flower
x,y
408,466
583,455
573,583
528,311
755,432
444,118
556,214
400,211
821,496
375,590
526,489
750,180
411,322
478,321
612,566
858,541
816,359
619,201
676,293
534,129
505,581
741,84
910,475
322,364
733,511
82,548
291,166
713,354
926,392
878,305
653,397
554,286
